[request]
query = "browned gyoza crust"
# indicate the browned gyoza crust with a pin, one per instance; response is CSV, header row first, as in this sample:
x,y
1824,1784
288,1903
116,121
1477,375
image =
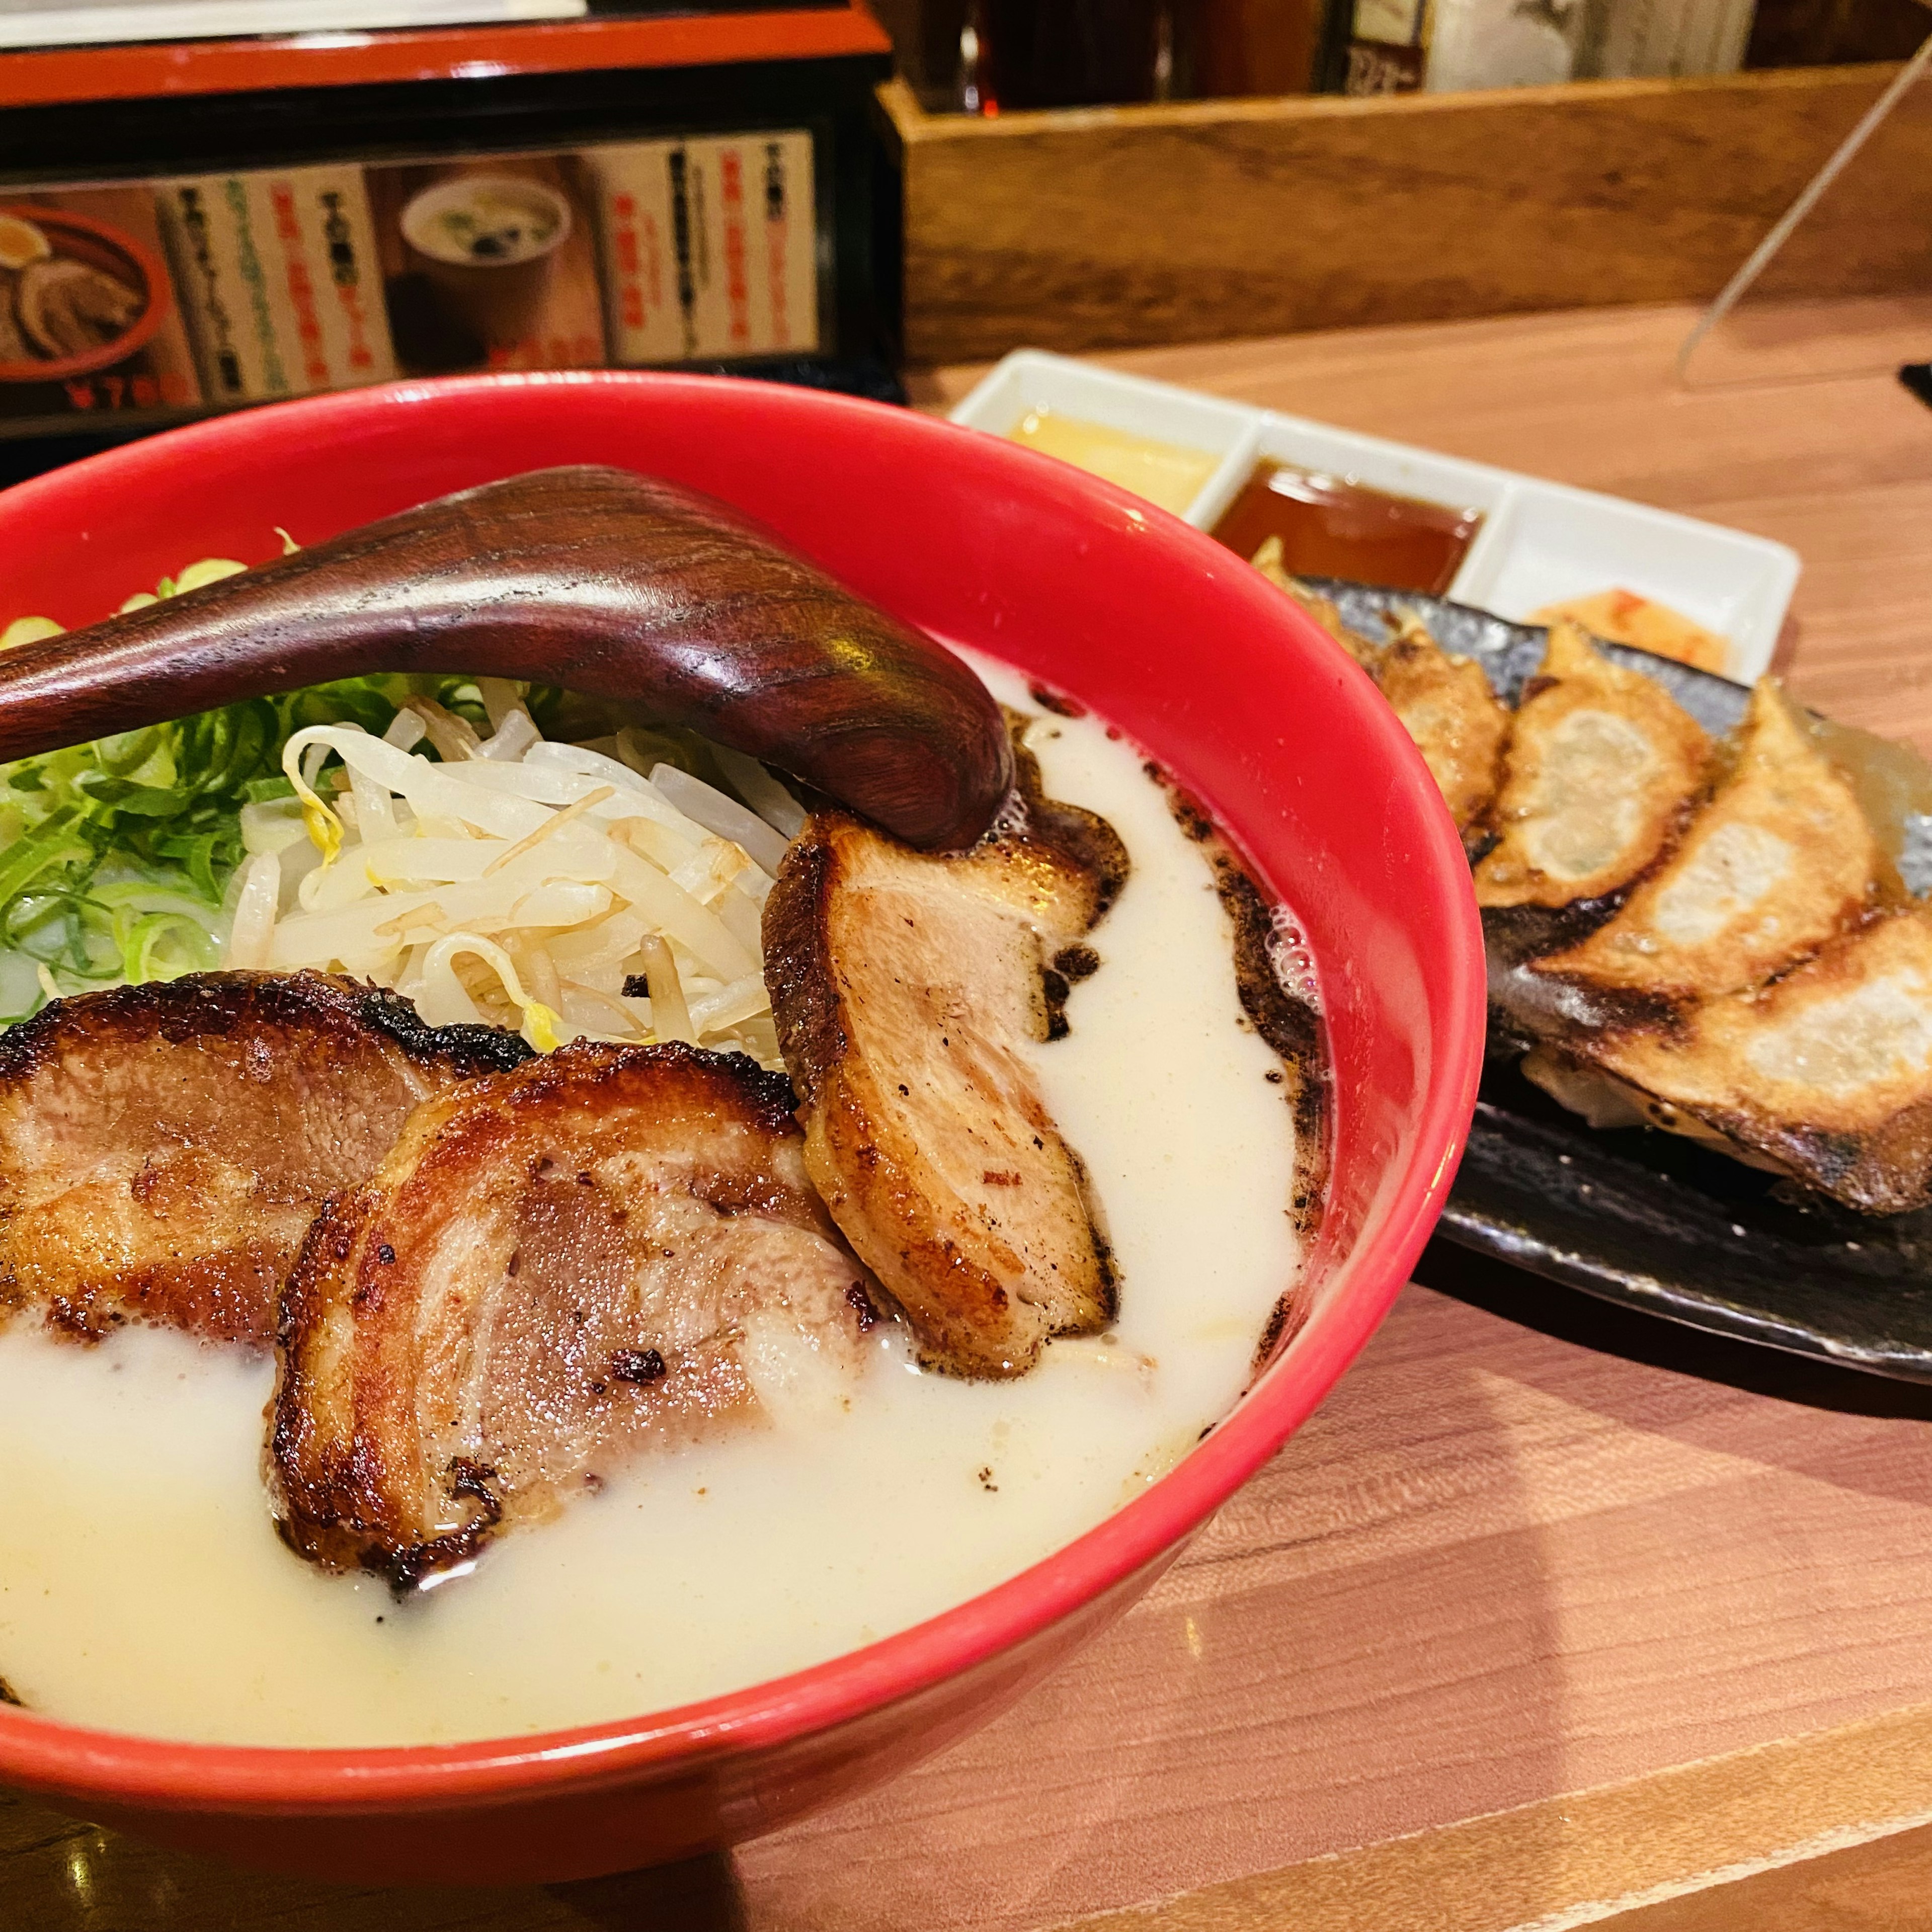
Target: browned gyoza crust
x,y
1459,724
1826,1073
555,1269
1779,860
902,984
1601,768
164,1146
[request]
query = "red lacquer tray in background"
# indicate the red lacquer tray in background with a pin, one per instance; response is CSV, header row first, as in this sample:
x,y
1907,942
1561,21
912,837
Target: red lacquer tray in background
x,y
1198,659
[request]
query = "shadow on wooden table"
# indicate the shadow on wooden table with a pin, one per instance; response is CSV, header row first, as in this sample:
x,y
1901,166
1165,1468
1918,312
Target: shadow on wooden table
x,y
1849,1441
700,1895
61,1875
1553,1308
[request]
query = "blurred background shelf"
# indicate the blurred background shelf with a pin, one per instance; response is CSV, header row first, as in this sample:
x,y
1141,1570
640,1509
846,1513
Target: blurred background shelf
x,y
706,188
1115,227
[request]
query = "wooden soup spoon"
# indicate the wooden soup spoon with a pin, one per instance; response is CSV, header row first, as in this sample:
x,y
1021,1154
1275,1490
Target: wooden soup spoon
x,y
620,586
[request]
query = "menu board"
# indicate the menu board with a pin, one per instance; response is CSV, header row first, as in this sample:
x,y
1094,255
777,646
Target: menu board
x,y
711,245
276,274
206,290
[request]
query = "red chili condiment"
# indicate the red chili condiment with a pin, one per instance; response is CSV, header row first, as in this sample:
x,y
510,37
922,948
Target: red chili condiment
x,y
1331,528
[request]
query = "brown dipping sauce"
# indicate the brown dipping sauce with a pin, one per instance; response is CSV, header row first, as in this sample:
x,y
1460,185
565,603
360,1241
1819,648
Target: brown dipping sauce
x,y
1331,528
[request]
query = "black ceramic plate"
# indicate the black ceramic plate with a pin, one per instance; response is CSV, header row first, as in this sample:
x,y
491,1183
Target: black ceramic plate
x,y
1647,1218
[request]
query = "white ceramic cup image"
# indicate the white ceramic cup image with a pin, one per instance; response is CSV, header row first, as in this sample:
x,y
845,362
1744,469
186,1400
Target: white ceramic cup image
x,y
487,244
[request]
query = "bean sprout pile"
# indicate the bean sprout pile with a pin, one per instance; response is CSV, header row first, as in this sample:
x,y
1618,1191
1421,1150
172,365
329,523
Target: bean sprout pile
x,y
572,890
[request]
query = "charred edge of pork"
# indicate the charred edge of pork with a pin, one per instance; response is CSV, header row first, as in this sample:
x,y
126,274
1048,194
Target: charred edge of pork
x,y
404,1569
8,1695
211,1005
308,1513
769,1094
1108,1291
1291,1026
810,1036
476,1047
327,1506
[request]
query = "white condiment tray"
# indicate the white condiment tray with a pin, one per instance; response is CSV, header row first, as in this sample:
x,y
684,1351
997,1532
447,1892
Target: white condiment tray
x,y
1539,543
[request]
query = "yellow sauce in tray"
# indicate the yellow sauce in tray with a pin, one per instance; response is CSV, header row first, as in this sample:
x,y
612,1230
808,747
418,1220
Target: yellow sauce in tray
x,y
1168,474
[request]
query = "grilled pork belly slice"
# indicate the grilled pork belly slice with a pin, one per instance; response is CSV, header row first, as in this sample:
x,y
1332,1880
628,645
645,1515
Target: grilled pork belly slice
x,y
1600,766
164,1147
1781,859
1826,1073
903,985
1446,705
555,1269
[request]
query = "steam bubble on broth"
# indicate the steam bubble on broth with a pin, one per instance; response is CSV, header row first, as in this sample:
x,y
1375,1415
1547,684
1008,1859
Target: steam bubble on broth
x,y
1289,954
141,1588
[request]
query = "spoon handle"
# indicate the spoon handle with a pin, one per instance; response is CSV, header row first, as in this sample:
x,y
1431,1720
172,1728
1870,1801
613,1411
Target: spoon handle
x,y
618,586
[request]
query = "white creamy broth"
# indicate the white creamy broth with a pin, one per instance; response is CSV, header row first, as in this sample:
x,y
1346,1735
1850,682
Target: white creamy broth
x,y
142,1587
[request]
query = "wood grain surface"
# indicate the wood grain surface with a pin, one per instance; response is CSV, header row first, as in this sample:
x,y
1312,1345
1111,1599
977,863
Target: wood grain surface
x,y
1095,227
1552,1614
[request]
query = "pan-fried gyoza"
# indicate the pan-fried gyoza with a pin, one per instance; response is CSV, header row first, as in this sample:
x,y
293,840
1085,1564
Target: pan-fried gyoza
x,y
1710,938
1445,703
1779,860
1826,1072
1598,770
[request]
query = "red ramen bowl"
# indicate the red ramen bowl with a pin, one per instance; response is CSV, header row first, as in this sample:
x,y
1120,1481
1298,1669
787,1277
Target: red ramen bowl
x,y
1191,652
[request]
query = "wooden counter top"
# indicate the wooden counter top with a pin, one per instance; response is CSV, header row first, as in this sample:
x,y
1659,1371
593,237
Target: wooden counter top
x,y
1552,1614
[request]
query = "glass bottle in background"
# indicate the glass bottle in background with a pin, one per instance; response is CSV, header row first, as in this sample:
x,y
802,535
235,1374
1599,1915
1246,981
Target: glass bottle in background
x,y
1831,33
1228,47
925,42
1065,53
984,54
1479,43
